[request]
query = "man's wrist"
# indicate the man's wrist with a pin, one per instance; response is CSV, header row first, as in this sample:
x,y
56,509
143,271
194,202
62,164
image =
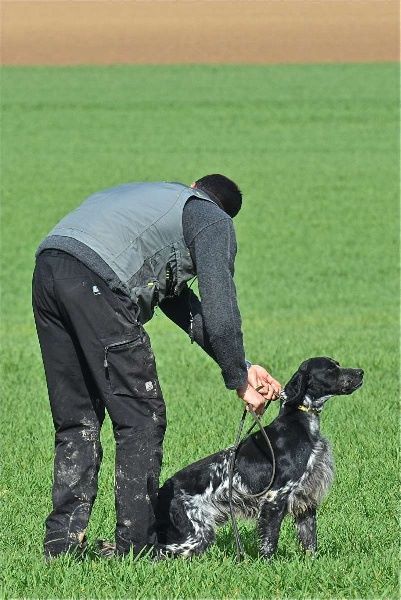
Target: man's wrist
x,y
242,389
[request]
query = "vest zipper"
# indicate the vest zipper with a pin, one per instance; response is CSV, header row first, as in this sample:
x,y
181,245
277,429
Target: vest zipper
x,y
154,283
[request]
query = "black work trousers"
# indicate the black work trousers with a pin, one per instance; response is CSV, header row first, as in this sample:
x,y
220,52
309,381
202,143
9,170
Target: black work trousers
x,y
96,357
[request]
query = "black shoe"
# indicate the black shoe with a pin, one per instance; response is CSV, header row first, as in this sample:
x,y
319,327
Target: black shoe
x,y
105,549
53,551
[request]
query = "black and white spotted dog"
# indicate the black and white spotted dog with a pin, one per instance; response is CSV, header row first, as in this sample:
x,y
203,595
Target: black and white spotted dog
x,y
194,501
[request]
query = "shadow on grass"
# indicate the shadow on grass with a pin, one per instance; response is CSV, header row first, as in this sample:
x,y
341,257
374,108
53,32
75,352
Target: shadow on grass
x,y
224,548
288,549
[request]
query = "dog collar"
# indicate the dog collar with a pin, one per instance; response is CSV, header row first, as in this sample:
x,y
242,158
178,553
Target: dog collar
x,y
314,411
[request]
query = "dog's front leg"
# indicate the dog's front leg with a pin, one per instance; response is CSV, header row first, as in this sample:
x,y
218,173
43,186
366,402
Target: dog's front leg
x,y
270,519
306,527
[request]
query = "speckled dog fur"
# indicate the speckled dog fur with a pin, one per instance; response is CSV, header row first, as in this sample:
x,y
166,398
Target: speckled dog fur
x,y
194,502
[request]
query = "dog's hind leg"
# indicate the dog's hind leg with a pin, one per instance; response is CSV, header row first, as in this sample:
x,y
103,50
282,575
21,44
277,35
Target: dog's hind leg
x,y
192,546
306,527
269,523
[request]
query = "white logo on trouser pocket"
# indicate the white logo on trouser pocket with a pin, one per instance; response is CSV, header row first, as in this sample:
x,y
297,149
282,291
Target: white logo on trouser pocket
x,y
149,386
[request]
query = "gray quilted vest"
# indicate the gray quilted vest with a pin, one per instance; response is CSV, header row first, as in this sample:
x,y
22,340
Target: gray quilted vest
x,y
136,228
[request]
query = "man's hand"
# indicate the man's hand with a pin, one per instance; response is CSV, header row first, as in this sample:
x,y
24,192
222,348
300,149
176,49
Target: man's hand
x,y
263,382
250,396
260,387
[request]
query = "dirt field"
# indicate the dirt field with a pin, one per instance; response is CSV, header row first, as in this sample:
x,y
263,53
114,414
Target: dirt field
x,y
57,32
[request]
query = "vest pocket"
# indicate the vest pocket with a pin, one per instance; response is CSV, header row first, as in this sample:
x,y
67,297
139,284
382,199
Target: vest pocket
x,y
130,368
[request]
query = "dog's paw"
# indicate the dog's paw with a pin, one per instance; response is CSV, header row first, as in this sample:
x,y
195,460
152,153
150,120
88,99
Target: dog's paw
x,y
310,552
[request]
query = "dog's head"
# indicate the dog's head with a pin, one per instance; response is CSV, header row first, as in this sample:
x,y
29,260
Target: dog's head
x,y
317,379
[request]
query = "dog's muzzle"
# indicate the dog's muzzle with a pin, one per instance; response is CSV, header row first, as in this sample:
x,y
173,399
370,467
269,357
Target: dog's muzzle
x,y
352,381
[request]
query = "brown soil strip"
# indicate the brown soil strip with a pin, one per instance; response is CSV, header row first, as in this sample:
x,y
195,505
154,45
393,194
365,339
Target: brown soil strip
x,y
70,32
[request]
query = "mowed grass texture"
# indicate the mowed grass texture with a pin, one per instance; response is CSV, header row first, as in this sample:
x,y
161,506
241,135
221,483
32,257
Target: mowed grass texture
x,y
315,151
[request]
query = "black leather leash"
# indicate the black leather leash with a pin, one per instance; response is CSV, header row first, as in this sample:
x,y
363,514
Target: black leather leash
x,y
234,449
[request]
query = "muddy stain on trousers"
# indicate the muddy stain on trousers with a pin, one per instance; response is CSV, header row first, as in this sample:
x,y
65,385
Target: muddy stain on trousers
x,y
97,357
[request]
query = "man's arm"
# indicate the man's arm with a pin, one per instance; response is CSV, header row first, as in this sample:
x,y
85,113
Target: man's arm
x,y
213,250
216,323
210,236
179,309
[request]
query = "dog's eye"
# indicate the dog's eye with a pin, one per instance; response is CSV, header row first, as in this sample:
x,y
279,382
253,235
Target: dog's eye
x,y
332,371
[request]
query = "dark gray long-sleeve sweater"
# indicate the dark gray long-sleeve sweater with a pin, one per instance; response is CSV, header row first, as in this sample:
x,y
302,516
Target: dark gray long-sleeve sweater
x,y
210,237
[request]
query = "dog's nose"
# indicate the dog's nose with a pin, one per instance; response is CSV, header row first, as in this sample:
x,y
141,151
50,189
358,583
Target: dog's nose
x,y
360,372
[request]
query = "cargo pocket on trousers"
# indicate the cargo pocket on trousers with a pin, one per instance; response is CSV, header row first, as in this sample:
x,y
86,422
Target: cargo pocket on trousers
x,y
130,368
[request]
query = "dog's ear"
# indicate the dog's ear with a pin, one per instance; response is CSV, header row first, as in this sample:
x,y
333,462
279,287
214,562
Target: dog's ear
x,y
296,387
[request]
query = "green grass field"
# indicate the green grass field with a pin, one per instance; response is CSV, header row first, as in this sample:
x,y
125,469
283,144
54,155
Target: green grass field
x,y
315,150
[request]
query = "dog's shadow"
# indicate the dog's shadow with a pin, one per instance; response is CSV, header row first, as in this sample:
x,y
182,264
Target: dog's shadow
x,y
288,548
